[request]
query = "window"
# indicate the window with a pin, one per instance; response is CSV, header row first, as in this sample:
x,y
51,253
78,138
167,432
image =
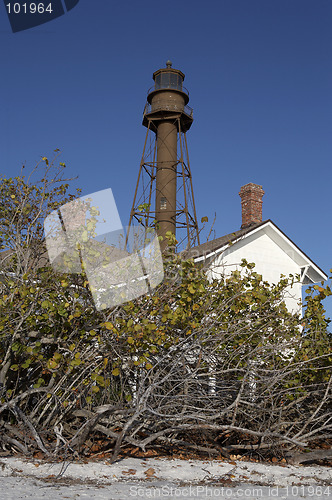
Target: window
x,y
168,81
163,204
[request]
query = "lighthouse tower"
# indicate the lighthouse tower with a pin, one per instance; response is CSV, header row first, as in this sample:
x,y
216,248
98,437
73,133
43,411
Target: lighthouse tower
x,y
164,196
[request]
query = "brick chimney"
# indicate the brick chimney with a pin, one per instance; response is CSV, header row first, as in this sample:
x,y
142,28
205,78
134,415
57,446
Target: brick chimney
x,y
251,201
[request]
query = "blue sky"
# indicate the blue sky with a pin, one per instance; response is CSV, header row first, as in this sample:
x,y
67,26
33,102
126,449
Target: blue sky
x,y
259,73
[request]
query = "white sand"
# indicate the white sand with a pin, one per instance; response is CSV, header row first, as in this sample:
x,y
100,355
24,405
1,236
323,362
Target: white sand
x,y
161,478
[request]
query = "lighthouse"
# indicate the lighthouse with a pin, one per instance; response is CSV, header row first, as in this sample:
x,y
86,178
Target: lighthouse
x,y
164,196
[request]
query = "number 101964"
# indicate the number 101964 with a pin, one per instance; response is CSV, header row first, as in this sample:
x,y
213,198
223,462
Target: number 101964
x,y
29,8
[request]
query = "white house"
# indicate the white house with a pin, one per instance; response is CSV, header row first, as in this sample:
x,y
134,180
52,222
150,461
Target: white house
x,y
263,243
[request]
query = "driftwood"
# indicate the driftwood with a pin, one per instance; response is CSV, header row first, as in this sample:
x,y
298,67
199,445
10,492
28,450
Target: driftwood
x,y
311,456
14,443
31,428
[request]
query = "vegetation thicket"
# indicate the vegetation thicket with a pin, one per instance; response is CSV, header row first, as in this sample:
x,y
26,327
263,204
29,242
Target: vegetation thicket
x,y
213,366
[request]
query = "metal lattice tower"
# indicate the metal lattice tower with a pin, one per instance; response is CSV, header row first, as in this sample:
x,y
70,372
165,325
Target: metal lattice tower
x,y
164,196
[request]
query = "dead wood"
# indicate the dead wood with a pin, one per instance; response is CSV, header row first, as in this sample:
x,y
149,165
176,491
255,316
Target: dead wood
x,y
311,456
35,434
81,435
187,444
14,443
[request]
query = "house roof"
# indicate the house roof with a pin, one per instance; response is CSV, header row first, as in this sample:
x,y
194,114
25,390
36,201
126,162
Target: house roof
x,y
207,251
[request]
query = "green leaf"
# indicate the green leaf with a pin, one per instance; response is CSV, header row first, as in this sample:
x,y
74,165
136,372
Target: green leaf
x,y
108,325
